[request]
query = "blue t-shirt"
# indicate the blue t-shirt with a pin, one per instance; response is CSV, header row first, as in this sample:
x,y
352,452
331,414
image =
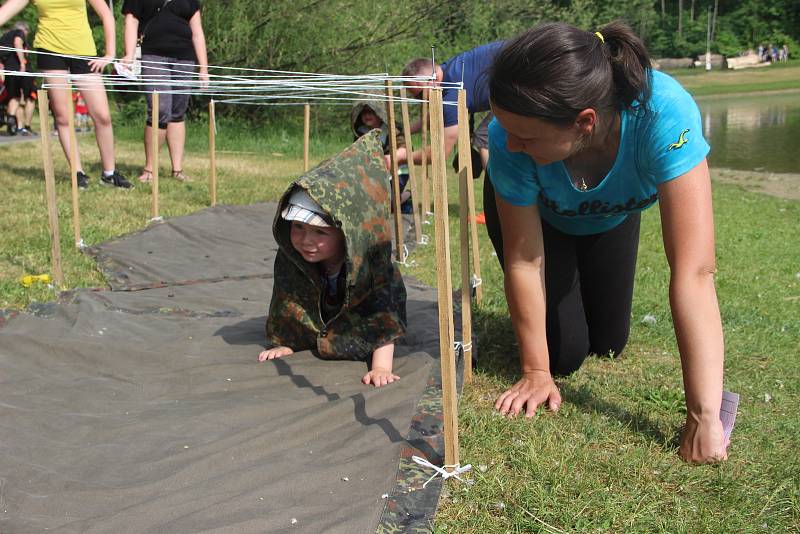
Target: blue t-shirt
x,y
655,147
476,80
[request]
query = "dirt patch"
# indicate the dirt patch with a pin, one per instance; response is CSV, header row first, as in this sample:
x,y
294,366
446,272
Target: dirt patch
x,y
782,185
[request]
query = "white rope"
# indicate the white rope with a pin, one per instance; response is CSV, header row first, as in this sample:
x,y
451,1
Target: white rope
x,y
274,73
80,244
457,469
476,281
267,85
156,219
424,239
403,262
461,346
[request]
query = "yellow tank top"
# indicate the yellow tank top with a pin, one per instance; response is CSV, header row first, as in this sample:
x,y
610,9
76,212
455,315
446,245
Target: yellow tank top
x,y
64,27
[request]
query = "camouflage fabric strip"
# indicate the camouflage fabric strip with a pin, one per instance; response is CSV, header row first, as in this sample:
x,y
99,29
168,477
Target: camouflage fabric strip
x,y
409,507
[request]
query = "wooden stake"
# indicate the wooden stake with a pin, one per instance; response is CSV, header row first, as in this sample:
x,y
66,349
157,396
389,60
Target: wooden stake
x,y
426,198
154,146
470,201
476,253
464,178
73,169
411,168
444,282
50,188
306,134
398,217
212,150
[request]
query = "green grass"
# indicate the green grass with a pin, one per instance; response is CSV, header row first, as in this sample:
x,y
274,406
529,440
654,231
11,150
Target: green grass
x,y
779,77
607,461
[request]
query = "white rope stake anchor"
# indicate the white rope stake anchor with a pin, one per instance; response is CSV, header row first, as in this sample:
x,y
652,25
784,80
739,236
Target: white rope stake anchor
x,y
403,262
80,244
476,281
425,239
460,345
457,469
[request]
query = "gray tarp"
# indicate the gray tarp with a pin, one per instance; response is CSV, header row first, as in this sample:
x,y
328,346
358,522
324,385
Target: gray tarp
x,y
144,409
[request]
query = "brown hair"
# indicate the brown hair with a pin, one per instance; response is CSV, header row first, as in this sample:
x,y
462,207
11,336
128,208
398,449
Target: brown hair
x,y
420,66
554,71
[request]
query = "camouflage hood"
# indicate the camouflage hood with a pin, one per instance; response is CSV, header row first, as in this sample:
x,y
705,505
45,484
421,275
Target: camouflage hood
x,y
378,106
352,188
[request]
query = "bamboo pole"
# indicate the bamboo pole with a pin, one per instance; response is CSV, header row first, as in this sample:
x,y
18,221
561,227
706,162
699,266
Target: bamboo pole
x,y
465,178
398,217
212,150
306,134
412,174
73,169
444,283
154,146
425,206
50,189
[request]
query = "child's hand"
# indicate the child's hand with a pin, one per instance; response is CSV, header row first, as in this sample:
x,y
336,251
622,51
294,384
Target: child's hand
x,y
379,377
274,352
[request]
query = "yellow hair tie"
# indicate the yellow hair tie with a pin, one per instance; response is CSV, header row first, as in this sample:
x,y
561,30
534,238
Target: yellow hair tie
x,y
600,36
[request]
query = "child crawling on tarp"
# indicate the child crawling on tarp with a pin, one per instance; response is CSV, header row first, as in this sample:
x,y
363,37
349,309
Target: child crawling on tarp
x,y
368,114
336,289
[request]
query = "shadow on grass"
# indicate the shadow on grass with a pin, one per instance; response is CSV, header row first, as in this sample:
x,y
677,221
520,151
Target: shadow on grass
x,y
499,358
638,422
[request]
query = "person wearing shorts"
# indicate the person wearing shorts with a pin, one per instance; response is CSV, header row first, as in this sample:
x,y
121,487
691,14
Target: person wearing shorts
x,y
62,34
173,44
14,61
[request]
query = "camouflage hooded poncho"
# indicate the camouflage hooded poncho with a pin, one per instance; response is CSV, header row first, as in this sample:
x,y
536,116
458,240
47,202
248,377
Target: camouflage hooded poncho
x,y
352,187
379,108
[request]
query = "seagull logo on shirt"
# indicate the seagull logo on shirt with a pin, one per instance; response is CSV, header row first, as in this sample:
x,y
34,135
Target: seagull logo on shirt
x,y
681,141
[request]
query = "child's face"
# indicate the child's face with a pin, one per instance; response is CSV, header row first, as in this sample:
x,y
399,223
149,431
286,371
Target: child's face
x,y
370,119
317,243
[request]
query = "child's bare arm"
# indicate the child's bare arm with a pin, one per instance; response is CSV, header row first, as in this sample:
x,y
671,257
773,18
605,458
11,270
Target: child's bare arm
x,y
381,372
274,352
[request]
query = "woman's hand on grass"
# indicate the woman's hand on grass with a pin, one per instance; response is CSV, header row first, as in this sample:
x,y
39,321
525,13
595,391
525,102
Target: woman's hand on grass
x,y
702,440
379,377
534,389
274,352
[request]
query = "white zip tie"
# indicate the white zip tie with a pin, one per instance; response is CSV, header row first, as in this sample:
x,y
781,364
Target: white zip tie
x,y
476,281
457,469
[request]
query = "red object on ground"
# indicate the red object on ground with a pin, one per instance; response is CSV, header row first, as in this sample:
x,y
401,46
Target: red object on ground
x,y
480,218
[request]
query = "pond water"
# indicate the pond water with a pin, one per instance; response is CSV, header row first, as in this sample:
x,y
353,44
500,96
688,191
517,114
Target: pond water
x,y
753,133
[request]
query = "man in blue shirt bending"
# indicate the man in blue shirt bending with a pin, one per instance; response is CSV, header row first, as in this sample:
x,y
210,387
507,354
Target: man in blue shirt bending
x,y
472,67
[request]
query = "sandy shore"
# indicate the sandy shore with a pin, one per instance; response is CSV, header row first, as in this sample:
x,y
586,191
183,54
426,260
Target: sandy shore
x,y
782,185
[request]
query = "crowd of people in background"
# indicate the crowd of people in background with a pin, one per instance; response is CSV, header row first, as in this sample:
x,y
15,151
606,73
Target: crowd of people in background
x,y
168,31
772,54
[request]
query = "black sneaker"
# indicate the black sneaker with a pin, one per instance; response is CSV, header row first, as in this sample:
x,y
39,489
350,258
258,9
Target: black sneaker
x,y
11,125
117,180
83,180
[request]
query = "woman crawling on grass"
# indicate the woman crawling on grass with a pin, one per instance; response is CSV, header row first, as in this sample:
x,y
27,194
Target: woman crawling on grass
x,y
587,136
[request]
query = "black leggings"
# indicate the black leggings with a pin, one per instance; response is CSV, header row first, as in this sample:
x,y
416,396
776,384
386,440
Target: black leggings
x,y
589,287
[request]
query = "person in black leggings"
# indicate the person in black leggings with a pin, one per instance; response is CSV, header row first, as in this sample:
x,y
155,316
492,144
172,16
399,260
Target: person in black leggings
x,y
587,136
589,287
